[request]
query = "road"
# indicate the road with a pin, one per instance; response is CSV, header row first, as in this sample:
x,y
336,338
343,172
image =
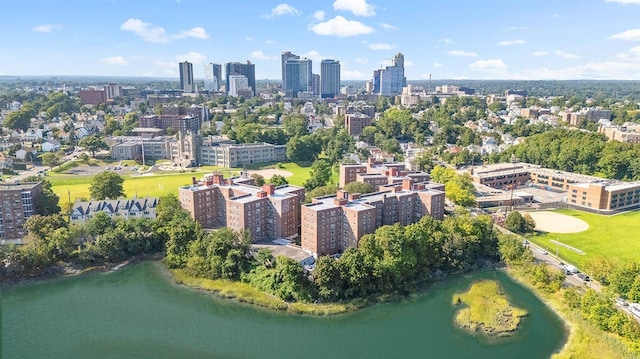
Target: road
x,y
571,279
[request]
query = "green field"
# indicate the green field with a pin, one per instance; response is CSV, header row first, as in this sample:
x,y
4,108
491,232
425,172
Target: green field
x,y
608,236
160,184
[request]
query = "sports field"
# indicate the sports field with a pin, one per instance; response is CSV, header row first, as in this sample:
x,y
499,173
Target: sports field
x,y
607,236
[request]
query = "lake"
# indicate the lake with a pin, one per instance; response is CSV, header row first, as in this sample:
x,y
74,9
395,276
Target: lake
x,y
137,312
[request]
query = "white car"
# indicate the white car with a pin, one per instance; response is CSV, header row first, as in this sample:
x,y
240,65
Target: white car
x,y
542,251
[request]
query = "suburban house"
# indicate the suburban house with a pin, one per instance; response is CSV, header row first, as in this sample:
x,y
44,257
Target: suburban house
x,y
50,146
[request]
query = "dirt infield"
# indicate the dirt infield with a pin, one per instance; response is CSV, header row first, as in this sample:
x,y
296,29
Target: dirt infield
x,y
268,173
553,222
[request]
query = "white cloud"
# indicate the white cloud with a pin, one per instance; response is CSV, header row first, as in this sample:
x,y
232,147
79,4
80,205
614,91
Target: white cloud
x,y
249,38
357,7
353,75
319,15
193,57
114,60
269,42
516,28
339,26
282,9
625,2
157,34
447,40
566,55
361,60
511,42
196,32
540,53
437,64
386,26
259,55
313,55
629,35
462,53
488,65
46,28
381,46
608,70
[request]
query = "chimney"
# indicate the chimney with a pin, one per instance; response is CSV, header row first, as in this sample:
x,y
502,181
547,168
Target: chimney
x,y
397,189
340,201
342,194
407,183
217,179
193,181
394,171
353,196
261,194
269,188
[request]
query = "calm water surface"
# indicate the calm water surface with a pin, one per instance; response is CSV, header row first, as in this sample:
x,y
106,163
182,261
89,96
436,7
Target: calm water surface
x,y
137,313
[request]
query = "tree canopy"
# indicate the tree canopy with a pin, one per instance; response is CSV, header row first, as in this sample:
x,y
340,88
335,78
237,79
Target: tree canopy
x,y
106,185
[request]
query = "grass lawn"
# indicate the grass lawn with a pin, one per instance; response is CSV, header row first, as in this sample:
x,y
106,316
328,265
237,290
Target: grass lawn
x,y
161,184
607,236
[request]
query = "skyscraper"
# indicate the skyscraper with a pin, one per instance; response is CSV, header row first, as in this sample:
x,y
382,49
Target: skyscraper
x,y
329,78
286,56
390,80
213,73
298,77
247,70
186,77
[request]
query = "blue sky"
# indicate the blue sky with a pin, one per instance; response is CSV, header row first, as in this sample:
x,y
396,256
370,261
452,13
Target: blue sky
x,y
468,39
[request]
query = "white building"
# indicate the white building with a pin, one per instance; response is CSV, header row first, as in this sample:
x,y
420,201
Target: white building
x,y
115,208
238,83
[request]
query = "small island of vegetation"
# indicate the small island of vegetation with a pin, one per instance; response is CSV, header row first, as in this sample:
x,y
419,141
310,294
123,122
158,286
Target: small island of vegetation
x,y
487,310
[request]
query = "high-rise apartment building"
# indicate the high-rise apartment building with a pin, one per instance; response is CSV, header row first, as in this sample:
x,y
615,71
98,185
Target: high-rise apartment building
x,y
329,78
186,77
16,205
267,212
236,85
286,56
247,70
331,224
298,76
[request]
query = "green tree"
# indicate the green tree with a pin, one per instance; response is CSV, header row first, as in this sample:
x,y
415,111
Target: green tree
x,y
50,159
295,125
106,185
278,180
303,149
92,144
47,202
321,191
358,187
319,174
19,120
258,179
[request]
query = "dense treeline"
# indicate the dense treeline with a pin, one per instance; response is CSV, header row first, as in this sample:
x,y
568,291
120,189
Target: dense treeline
x,y
383,263
596,308
578,151
52,245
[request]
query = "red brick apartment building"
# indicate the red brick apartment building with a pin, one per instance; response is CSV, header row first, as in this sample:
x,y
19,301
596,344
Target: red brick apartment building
x,y
16,205
267,212
378,174
334,223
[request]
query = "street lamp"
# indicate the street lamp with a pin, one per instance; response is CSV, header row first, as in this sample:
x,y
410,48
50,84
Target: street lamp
x,y
513,162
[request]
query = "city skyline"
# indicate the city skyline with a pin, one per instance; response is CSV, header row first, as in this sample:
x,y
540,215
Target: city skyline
x,y
533,40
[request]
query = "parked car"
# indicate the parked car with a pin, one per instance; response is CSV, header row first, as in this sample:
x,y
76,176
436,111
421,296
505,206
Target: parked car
x,y
584,277
542,251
